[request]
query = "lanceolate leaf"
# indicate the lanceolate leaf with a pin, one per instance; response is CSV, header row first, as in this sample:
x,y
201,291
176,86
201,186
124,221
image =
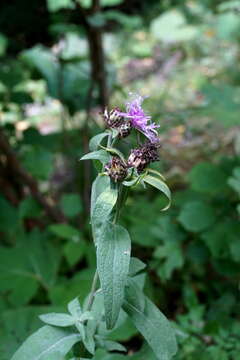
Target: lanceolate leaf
x,y
45,342
155,172
113,257
58,319
160,185
102,210
96,141
151,323
99,185
101,155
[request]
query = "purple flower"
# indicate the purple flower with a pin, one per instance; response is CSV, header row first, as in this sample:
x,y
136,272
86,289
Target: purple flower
x,y
139,120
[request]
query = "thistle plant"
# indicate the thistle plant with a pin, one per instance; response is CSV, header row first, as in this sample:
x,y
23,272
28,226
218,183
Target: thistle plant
x,y
117,289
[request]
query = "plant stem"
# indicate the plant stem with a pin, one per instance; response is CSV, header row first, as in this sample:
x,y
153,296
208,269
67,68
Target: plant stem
x,y
92,292
109,141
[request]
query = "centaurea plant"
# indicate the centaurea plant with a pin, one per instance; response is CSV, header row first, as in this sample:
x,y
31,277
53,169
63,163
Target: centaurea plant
x,y
116,291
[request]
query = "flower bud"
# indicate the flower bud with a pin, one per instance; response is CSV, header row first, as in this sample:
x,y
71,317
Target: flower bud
x,y
116,169
112,118
116,121
140,158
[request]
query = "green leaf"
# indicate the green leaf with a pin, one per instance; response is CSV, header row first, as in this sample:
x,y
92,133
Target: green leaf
x,y
113,258
3,44
171,27
45,342
207,178
135,266
57,319
55,5
114,152
197,216
68,288
74,308
33,155
71,204
160,185
156,172
64,231
74,251
88,3
100,184
44,61
234,181
171,257
101,155
102,210
96,141
35,261
152,324
29,208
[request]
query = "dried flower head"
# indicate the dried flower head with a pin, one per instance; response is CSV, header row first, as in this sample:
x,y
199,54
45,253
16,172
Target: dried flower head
x,y
140,158
116,169
139,120
114,120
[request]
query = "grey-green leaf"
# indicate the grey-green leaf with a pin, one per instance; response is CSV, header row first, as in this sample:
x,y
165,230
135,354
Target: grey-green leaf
x,y
98,186
135,266
101,155
152,324
57,319
160,185
46,341
74,308
113,258
96,141
102,210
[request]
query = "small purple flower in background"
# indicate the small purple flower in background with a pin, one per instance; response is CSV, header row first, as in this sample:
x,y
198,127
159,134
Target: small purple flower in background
x,y
139,120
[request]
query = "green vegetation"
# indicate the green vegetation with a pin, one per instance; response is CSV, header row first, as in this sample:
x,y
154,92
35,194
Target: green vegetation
x,y
61,63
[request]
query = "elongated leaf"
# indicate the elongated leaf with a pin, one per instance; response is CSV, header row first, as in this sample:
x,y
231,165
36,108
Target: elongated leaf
x,y
74,308
102,210
155,172
58,319
160,185
151,323
135,266
46,341
98,186
96,141
113,258
114,152
101,155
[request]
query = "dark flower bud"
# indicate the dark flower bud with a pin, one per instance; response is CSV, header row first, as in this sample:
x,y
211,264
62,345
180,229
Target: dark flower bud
x,y
114,120
140,158
116,169
124,129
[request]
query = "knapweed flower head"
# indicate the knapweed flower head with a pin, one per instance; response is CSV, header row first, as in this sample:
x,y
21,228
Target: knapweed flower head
x,y
116,169
138,118
114,120
140,158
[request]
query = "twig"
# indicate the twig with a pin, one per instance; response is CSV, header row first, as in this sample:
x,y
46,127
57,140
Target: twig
x,y
52,211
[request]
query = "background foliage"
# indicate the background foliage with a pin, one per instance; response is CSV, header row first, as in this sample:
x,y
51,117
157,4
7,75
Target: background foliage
x,y
54,81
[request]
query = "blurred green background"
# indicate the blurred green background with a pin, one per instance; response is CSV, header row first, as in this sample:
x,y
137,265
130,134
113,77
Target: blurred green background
x,y
61,63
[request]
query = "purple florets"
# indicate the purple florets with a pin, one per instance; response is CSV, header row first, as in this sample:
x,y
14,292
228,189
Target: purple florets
x,y
139,120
